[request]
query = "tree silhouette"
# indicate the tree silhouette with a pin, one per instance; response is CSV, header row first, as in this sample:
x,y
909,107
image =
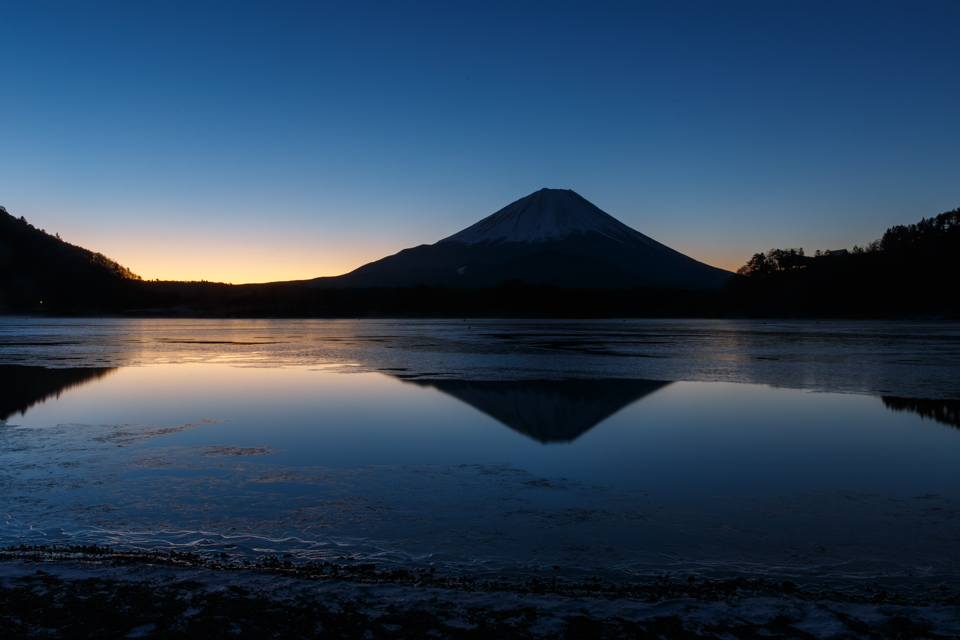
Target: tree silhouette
x,y
757,267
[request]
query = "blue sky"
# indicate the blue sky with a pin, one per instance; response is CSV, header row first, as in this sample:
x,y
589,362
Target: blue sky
x,y
265,141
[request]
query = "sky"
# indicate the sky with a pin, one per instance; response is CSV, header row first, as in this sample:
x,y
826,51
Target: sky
x,y
262,141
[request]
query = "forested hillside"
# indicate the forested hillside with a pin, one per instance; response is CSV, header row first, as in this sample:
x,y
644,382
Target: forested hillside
x,y
911,270
39,271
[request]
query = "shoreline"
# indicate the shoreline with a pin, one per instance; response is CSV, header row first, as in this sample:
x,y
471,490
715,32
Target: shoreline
x,y
109,593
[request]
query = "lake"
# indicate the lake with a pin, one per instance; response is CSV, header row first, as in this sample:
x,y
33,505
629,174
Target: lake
x,y
617,449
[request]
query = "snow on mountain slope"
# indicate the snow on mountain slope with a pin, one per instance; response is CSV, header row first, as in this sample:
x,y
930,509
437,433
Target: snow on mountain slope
x,y
553,237
548,214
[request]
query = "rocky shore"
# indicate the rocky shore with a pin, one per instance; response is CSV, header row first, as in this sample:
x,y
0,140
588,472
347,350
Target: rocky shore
x,y
73,592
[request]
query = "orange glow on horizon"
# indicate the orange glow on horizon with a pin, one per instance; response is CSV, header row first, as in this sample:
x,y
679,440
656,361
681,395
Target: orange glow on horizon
x,y
251,263
243,272
256,274
245,264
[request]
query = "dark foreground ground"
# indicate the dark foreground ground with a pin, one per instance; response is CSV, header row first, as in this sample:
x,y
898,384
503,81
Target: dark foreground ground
x,y
97,593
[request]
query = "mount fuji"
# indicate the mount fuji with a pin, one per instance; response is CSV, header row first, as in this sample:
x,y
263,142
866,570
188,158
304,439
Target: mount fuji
x,y
552,236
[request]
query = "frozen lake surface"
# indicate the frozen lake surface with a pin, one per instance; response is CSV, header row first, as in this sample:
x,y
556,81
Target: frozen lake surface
x,y
816,451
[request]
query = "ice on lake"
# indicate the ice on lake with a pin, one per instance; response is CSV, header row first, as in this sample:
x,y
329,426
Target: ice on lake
x,y
813,450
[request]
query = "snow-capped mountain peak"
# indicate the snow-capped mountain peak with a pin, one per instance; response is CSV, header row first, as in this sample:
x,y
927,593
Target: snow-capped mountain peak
x,y
548,214
552,237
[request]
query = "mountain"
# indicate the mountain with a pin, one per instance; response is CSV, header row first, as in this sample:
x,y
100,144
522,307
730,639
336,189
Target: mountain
x,y
553,236
547,410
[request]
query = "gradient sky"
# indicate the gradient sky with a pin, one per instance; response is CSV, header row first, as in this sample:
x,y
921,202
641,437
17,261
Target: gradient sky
x,y
247,142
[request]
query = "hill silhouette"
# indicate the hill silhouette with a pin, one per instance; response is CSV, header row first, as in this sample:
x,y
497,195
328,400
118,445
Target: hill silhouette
x,y
40,271
911,270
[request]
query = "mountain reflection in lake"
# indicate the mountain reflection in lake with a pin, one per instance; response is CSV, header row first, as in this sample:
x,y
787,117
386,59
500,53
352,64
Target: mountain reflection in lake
x,y
262,437
547,410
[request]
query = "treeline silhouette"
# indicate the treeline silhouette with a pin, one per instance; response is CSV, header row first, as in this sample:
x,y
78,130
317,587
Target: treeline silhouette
x,y
507,299
40,271
911,271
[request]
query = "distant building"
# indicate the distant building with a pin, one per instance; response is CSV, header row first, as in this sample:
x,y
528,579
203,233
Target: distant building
x,y
835,252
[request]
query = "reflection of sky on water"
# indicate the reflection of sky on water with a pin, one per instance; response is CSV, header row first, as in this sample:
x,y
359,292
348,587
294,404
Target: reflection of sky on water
x,y
321,439
904,359
676,439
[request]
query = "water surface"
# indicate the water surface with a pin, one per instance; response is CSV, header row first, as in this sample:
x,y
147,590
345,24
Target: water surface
x,y
613,448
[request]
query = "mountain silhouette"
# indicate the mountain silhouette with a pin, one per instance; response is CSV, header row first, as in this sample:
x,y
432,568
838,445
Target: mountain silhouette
x,y
553,236
24,386
547,410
